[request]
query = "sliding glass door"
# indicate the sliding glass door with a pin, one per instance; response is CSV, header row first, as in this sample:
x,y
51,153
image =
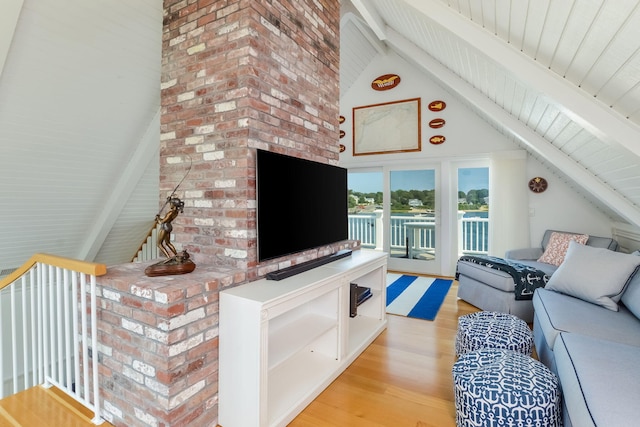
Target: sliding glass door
x,y
394,210
424,217
413,221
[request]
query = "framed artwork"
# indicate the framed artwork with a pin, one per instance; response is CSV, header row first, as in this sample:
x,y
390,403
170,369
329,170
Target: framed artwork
x,y
391,127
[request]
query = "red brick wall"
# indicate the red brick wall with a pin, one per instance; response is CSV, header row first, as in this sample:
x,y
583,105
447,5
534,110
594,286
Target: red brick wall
x,y
240,75
159,346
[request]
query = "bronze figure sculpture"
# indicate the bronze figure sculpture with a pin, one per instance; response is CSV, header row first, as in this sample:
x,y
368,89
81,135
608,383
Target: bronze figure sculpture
x,y
164,234
176,263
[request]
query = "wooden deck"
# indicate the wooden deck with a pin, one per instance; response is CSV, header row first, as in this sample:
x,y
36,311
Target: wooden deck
x,y
40,406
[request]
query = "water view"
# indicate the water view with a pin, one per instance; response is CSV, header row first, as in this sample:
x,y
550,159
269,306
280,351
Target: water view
x,y
412,230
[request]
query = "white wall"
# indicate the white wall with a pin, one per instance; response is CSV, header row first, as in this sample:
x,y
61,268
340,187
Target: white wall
x,y
560,208
468,138
467,135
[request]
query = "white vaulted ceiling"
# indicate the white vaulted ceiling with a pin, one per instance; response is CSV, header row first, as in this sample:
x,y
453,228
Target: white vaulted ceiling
x,y
560,78
79,127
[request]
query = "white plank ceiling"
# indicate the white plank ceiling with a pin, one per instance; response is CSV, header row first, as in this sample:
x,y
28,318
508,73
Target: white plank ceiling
x,y
79,127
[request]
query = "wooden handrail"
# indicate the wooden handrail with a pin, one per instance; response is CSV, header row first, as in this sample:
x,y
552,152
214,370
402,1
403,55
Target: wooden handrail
x,y
85,267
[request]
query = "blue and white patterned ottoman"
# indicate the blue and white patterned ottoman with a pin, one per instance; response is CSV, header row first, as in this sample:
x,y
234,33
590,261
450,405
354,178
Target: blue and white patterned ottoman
x,y
496,388
489,329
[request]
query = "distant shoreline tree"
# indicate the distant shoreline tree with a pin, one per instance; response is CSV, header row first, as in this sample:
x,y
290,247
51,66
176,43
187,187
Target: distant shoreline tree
x,y
475,199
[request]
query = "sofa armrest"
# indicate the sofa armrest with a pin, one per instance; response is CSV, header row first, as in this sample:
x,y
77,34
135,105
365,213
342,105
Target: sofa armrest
x,y
524,253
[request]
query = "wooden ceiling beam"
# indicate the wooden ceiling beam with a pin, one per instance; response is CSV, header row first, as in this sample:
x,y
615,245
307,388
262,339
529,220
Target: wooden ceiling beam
x,y
371,16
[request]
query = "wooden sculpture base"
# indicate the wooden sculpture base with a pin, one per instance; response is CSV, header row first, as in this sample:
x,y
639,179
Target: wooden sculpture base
x,y
178,264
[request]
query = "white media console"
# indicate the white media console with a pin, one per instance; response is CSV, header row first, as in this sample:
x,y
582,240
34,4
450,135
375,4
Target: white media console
x,y
283,342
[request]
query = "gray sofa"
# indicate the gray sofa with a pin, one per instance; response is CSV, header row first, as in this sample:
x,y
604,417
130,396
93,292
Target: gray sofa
x,y
587,330
493,290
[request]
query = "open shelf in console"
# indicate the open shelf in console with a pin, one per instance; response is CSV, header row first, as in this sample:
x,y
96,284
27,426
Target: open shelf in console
x,y
362,330
289,389
371,314
311,327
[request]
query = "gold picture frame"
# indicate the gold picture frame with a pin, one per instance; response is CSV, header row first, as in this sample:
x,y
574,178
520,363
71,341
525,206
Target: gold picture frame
x,y
390,127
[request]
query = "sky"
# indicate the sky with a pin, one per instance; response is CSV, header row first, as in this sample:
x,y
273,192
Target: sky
x,y
473,179
371,182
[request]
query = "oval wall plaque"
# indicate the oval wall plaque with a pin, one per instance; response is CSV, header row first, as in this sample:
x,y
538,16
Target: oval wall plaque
x,y
342,148
341,119
385,82
436,123
342,134
437,139
437,105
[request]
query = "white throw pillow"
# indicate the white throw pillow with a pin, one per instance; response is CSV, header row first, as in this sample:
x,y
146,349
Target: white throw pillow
x,y
596,275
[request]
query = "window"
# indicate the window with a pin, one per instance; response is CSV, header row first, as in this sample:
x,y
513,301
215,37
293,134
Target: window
x,y
473,200
365,208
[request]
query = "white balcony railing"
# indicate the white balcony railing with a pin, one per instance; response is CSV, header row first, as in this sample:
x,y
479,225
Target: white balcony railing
x,y
48,322
416,233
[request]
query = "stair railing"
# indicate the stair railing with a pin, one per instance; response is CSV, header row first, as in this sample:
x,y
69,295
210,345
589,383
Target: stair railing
x,y
148,249
48,325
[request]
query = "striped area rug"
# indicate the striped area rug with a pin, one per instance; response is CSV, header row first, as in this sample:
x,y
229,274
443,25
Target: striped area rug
x,y
415,296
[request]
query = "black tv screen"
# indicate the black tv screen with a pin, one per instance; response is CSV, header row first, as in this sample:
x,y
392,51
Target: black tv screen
x,y
301,204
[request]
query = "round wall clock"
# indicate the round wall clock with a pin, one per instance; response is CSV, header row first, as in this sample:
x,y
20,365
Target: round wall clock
x,y
538,184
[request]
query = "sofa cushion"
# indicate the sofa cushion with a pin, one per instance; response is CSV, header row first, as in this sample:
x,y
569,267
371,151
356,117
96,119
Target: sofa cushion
x,y
548,269
558,312
603,242
600,380
595,275
524,254
556,249
494,278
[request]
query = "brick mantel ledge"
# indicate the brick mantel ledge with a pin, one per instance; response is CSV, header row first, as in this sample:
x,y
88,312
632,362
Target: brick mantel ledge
x,y
158,345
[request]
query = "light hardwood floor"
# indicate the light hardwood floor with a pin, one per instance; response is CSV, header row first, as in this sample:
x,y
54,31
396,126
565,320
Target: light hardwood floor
x,y
403,379
44,407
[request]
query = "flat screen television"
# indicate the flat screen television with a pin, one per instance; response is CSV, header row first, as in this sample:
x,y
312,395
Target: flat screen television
x,y
301,204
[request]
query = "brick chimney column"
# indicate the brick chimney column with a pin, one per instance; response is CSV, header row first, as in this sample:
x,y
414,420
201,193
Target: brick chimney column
x,y
240,75
236,76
